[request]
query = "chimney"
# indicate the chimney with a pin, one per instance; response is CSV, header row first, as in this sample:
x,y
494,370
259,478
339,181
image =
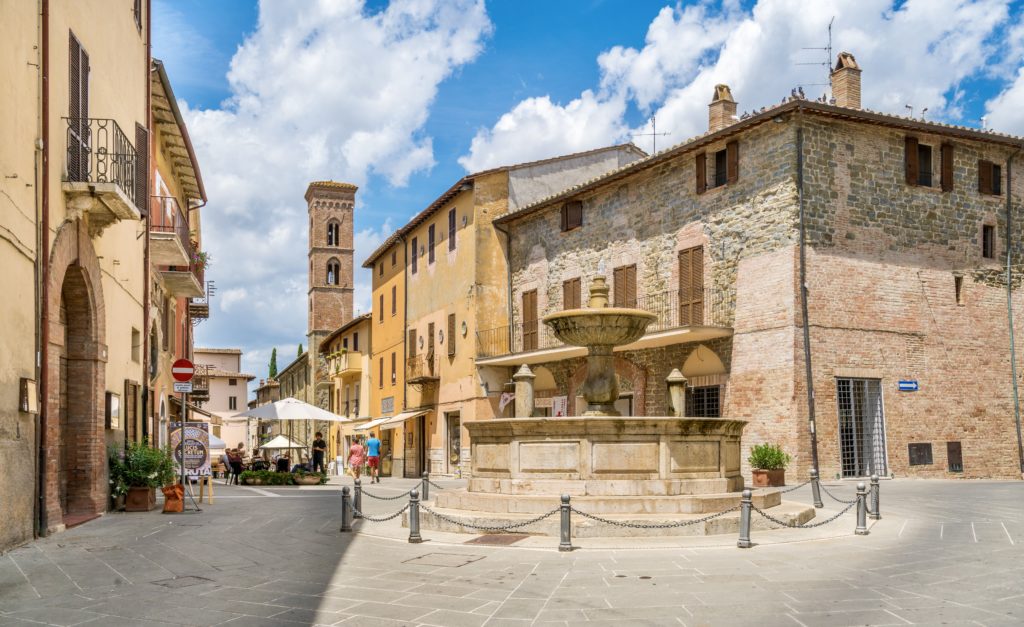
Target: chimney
x,y
722,109
846,82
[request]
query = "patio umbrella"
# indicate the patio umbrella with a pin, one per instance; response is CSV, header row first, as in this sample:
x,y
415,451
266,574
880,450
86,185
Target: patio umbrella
x,y
280,442
292,409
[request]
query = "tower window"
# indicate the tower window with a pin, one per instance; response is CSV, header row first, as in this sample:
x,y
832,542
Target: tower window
x,y
333,269
333,234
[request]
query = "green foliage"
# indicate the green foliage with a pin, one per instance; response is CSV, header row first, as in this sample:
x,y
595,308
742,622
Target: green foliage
x,y
267,477
302,473
299,354
273,364
140,466
115,462
768,457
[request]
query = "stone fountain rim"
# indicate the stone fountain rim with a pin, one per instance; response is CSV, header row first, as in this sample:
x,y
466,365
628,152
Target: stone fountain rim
x,y
599,311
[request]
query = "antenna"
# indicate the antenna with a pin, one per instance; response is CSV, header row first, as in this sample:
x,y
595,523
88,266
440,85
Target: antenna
x,y
653,135
827,48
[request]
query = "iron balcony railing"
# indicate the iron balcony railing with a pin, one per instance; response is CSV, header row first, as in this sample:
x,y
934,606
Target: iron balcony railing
x,y
99,152
674,309
166,216
421,367
201,380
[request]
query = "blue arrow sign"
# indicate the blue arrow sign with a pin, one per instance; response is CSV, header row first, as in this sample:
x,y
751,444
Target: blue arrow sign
x,y
908,386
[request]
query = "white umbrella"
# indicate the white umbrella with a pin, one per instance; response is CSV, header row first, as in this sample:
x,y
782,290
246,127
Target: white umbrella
x,y
292,409
216,442
280,442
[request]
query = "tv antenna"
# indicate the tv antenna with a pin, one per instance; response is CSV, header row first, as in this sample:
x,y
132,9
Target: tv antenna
x,y
827,48
654,134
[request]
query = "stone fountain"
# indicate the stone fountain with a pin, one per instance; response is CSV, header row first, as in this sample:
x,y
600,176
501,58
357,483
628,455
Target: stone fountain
x,y
630,469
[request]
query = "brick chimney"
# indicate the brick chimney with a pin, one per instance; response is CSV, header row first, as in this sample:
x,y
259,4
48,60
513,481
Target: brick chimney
x,y
846,81
722,109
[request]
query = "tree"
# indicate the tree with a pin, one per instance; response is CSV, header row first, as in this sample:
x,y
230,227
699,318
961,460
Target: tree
x,y
273,363
299,354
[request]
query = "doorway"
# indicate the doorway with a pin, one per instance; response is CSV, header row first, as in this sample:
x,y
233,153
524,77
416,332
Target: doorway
x,y
861,427
453,452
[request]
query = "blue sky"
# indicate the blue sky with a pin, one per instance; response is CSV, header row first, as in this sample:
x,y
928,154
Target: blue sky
x,y
402,98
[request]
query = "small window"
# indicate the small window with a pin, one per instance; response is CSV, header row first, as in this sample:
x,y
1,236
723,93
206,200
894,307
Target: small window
x,y
721,170
704,402
571,294
990,178
136,345
920,454
355,341
572,215
380,308
394,258
954,457
332,234
232,381
415,253
451,229
988,241
918,163
380,269
924,164
451,335
232,402
958,287
412,343
430,244
394,375
727,167
394,300
344,343
380,377
333,270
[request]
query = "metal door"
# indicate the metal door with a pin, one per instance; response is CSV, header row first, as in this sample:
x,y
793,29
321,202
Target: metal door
x,y
861,427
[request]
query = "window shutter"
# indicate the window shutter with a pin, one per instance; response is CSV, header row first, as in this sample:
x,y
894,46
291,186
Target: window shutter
x,y
451,335
575,214
702,172
451,229
985,177
571,294
565,218
910,159
691,286
732,159
947,167
415,254
394,300
412,343
78,127
619,287
530,320
430,244
630,272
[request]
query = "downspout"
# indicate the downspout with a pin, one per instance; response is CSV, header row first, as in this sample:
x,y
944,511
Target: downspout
x,y
146,270
508,285
405,322
44,274
803,295
1009,306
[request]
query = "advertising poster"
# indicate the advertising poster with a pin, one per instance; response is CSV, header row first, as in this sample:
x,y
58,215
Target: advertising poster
x,y
560,406
197,448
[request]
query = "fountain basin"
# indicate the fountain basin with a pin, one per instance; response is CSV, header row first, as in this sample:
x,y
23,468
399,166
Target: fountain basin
x,y
607,326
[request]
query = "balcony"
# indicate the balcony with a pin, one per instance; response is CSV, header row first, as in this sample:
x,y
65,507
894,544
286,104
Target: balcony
x,y
169,240
422,369
201,383
183,281
346,364
198,308
682,316
100,173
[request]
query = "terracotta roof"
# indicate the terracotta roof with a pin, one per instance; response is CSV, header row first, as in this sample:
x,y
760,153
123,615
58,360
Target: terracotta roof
x,y
218,351
167,117
348,187
468,179
758,118
217,372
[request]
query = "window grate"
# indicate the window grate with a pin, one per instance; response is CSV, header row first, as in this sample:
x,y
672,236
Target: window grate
x,y
861,427
704,402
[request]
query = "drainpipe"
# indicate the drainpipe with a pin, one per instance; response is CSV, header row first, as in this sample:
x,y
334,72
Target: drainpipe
x,y
43,261
146,270
508,283
405,321
1009,306
803,296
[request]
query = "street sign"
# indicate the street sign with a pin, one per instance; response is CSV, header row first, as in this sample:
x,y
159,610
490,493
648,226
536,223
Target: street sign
x,y
185,386
908,386
182,370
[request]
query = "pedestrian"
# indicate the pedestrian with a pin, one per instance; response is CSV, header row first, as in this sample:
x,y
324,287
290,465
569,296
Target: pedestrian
x,y
373,457
355,457
241,450
319,452
235,459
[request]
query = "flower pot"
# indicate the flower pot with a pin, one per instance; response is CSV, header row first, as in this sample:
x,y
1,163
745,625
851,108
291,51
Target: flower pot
x,y
252,481
140,499
174,498
769,478
306,479
117,502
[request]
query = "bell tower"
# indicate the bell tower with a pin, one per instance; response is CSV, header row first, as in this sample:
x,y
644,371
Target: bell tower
x,y
330,207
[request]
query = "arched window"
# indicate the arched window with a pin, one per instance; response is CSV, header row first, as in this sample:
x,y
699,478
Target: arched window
x,y
333,233
333,268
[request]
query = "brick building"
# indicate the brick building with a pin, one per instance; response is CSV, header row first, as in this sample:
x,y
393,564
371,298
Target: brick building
x,y
900,228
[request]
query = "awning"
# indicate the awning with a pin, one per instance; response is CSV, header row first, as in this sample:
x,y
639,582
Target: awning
x,y
373,423
397,421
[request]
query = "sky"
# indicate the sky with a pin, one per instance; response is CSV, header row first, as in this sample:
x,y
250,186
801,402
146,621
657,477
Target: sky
x,y
403,98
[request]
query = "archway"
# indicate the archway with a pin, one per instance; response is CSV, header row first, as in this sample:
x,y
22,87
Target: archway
x,y
706,377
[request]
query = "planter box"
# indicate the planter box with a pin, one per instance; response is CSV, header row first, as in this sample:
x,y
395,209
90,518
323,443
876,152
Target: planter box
x,y
140,499
251,481
769,478
307,480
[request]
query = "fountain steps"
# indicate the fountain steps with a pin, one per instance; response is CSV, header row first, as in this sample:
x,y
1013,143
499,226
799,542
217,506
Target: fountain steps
x,y
606,486
503,504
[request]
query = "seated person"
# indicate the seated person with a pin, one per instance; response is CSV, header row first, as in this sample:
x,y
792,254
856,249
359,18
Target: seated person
x,y
282,464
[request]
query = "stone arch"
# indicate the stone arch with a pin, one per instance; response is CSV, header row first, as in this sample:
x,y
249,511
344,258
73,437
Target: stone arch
x,y
545,380
631,376
702,362
75,453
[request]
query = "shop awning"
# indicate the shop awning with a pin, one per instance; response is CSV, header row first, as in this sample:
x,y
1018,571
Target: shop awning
x,y
373,423
397,421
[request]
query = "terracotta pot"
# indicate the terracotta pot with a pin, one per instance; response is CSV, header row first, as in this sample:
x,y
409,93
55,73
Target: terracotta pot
x,y
306,480
174,498
140,499
769,478
252,481
117,503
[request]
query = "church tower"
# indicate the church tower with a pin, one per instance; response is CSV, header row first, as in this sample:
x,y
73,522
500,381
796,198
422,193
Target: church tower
x,y
330,207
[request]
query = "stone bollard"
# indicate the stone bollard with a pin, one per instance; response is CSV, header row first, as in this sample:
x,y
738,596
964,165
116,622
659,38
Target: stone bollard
x,y
357,500
874,512
346,510
566,527
425,485
414,517
745,503
816,489
862,510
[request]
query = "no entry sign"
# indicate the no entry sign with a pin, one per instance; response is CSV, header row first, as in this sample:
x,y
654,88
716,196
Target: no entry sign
x,y
182,370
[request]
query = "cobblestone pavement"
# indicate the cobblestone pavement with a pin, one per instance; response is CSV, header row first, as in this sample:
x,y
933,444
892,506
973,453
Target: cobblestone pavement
x,y
944,553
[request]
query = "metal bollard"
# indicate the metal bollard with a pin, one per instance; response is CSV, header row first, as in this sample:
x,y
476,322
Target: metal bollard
x,y
744,541
425,485
357,500
346,510
566,527
414,517
816,489
873,510
862,510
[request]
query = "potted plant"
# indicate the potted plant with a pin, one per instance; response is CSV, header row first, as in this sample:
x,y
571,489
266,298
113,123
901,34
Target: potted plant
x,y
118,486
301,477
768,463
143,470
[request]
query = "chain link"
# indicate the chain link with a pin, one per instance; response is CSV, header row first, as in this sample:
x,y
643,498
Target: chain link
x,y
791,525
796,487
434,484
834,497
381,519
671,525
386,498
507,527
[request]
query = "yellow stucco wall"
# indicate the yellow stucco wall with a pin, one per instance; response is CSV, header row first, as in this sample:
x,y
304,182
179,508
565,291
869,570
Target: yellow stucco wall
x,y
387,336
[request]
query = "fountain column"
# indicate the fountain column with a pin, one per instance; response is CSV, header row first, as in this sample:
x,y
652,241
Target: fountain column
x,y
524,391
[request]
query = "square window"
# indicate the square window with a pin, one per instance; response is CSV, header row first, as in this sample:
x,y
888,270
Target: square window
x,y
232,381
572,215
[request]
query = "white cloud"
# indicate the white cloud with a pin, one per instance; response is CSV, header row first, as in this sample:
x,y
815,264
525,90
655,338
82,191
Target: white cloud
x,y
321,89
917,54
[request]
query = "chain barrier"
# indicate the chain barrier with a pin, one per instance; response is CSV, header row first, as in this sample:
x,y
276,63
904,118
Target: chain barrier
x,y
434,484
507,527
382,518
791,525
387,498
796,487
684,523
833,496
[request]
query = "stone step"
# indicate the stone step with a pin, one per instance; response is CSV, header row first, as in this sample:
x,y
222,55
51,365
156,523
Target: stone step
x,y
607,486
484,504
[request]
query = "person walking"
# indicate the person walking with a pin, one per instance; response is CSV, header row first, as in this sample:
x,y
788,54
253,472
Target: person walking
x,y
319,451
373,457
356,454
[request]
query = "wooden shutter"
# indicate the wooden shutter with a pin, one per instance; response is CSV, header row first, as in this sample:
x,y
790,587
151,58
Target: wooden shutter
x,y
702,172
565,218
691,286
624,286
630,286
430,244
451,335
415,254
985,176
394,367
530,320
142,168
947,167
575,214
381,378
394,300
451,229
380,318
732,162
78,110
571,294
619,287
412,343
910,160
430,340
